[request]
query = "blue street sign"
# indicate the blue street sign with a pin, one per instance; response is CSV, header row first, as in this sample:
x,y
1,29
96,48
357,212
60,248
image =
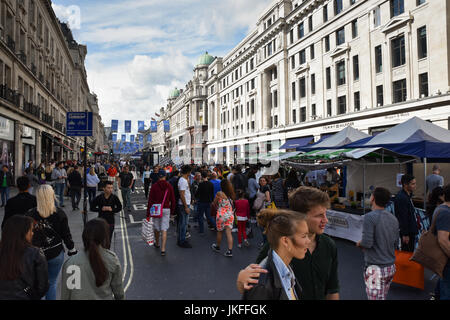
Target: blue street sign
x,y
79,124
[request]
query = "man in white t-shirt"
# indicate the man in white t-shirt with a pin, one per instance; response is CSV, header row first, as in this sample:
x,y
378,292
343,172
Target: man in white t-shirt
x,y
184,206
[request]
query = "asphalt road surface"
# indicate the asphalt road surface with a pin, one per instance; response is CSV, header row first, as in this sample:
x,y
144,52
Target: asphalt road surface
x,y
200,273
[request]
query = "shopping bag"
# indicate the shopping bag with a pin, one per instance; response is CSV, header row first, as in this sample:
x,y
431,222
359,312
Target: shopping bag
x,y
156,211
147,231
409,273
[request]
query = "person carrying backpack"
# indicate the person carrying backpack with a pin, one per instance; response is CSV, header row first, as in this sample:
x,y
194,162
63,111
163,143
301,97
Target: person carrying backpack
x,y
51,229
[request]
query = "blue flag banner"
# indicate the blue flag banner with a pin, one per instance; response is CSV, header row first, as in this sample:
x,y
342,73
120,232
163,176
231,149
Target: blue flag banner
x,y
127,126
124,137
141,138
114,137
141,126
153,126
114,125
166,126
141,145
149,138
132,138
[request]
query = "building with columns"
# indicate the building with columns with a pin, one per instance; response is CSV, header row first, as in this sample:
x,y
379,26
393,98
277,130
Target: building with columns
x,y
309,68
42,77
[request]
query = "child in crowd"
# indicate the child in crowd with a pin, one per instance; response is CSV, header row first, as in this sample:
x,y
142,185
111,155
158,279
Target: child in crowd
x,y
242,215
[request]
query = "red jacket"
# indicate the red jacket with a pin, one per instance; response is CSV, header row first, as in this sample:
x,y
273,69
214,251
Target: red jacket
x,y
157,196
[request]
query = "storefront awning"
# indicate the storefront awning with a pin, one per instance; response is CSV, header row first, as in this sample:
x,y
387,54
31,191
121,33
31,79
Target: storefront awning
x,y
297,142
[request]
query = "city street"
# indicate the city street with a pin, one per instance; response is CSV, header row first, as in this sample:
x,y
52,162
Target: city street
x,y
200,273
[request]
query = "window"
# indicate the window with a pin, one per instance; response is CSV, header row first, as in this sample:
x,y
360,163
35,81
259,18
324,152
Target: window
x,y
248,108
398,51
400,91
337,7
340,72
301,31
376,17
378,59
352,2
269,49
293,62
312,53
303,114
355,68
325,13
422,42
310,23
354,29
329,108
342,105
252,104
293,91
302,56
313,84
253,125
302,87
251,64
357,101
242,111
340,36
276,121
423,85
397,7
328,78
327,43
291,36
379,96
275,99
313,110
252,82
419,2
294,116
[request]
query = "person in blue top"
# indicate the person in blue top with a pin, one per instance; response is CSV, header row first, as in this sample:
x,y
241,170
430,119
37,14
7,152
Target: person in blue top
x,y
216,183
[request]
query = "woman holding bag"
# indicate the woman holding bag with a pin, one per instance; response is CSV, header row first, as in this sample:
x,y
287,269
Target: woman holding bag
x,y
162,193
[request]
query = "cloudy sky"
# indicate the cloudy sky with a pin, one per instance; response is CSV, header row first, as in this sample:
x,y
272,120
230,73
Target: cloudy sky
x,y
139,50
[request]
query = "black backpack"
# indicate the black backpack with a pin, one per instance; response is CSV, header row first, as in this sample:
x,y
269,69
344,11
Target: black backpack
x,y
45,236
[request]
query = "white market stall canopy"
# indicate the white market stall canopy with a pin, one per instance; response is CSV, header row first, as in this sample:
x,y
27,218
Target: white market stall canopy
x,y
342,138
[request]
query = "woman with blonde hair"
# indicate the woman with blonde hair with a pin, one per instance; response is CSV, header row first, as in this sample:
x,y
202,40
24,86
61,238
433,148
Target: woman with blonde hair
x,y
51,229
287,234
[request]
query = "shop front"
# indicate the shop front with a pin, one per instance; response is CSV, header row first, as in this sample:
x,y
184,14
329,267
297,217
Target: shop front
x,y
28,146
7,143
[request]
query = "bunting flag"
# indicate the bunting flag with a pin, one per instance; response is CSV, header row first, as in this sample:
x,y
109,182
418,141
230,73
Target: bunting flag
x,y
141,138
153,126
114,137
141,126
127,126
166,126
149,138
132,138
114,125
124,137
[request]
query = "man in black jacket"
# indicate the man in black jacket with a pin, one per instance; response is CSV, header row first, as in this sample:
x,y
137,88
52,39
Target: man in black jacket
x,y
75,183
107,204
405,212
238,180
205,196
6,181
20,204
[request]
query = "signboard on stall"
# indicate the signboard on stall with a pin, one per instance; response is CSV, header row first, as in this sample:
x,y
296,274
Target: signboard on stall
x,y
344,225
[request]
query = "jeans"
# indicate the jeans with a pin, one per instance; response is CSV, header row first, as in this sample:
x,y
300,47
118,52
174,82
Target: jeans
x,y
54,267
444,284
59,191
204,208
182,224
75,195
146,186
91,191
5,195
126,197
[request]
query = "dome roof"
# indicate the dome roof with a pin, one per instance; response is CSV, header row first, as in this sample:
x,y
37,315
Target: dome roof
x,y
205,59
175,93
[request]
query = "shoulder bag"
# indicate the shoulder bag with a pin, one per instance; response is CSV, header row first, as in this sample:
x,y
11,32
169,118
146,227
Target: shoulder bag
x,y
156,211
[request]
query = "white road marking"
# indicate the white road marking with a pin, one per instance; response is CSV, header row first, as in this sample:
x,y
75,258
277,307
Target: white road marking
x,y
121,217
140,207
132,220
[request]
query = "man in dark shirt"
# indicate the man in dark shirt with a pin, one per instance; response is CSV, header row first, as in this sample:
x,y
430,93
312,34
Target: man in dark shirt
x,y
21,203
107,204
405,213
75,184
317,273
205,196
442,214
125,183
154,175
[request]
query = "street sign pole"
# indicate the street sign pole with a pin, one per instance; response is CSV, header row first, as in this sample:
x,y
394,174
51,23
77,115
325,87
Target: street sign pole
x,y
85,183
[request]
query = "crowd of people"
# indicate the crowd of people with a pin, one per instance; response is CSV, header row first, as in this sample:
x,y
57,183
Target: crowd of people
x,y
296,261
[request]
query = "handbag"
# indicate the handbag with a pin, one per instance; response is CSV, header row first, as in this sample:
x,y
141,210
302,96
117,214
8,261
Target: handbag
x,y
259,201
156,211
147,231
408,273
272,205
429,253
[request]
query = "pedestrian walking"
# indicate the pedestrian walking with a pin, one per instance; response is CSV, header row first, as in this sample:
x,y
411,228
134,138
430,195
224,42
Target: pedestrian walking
x,y
125,182
216,183
287,233
59,176
146,180
320,262
34,181
40,172
379,241
112,174
435,199
435,179
184,206
292,182
279,193
405,213
107,205
48,174
154,175
103,178
75,182
99,268
224,218
23,267
135,177
242,216
50,231
92,182
162,193
21,203
6,181
205,196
